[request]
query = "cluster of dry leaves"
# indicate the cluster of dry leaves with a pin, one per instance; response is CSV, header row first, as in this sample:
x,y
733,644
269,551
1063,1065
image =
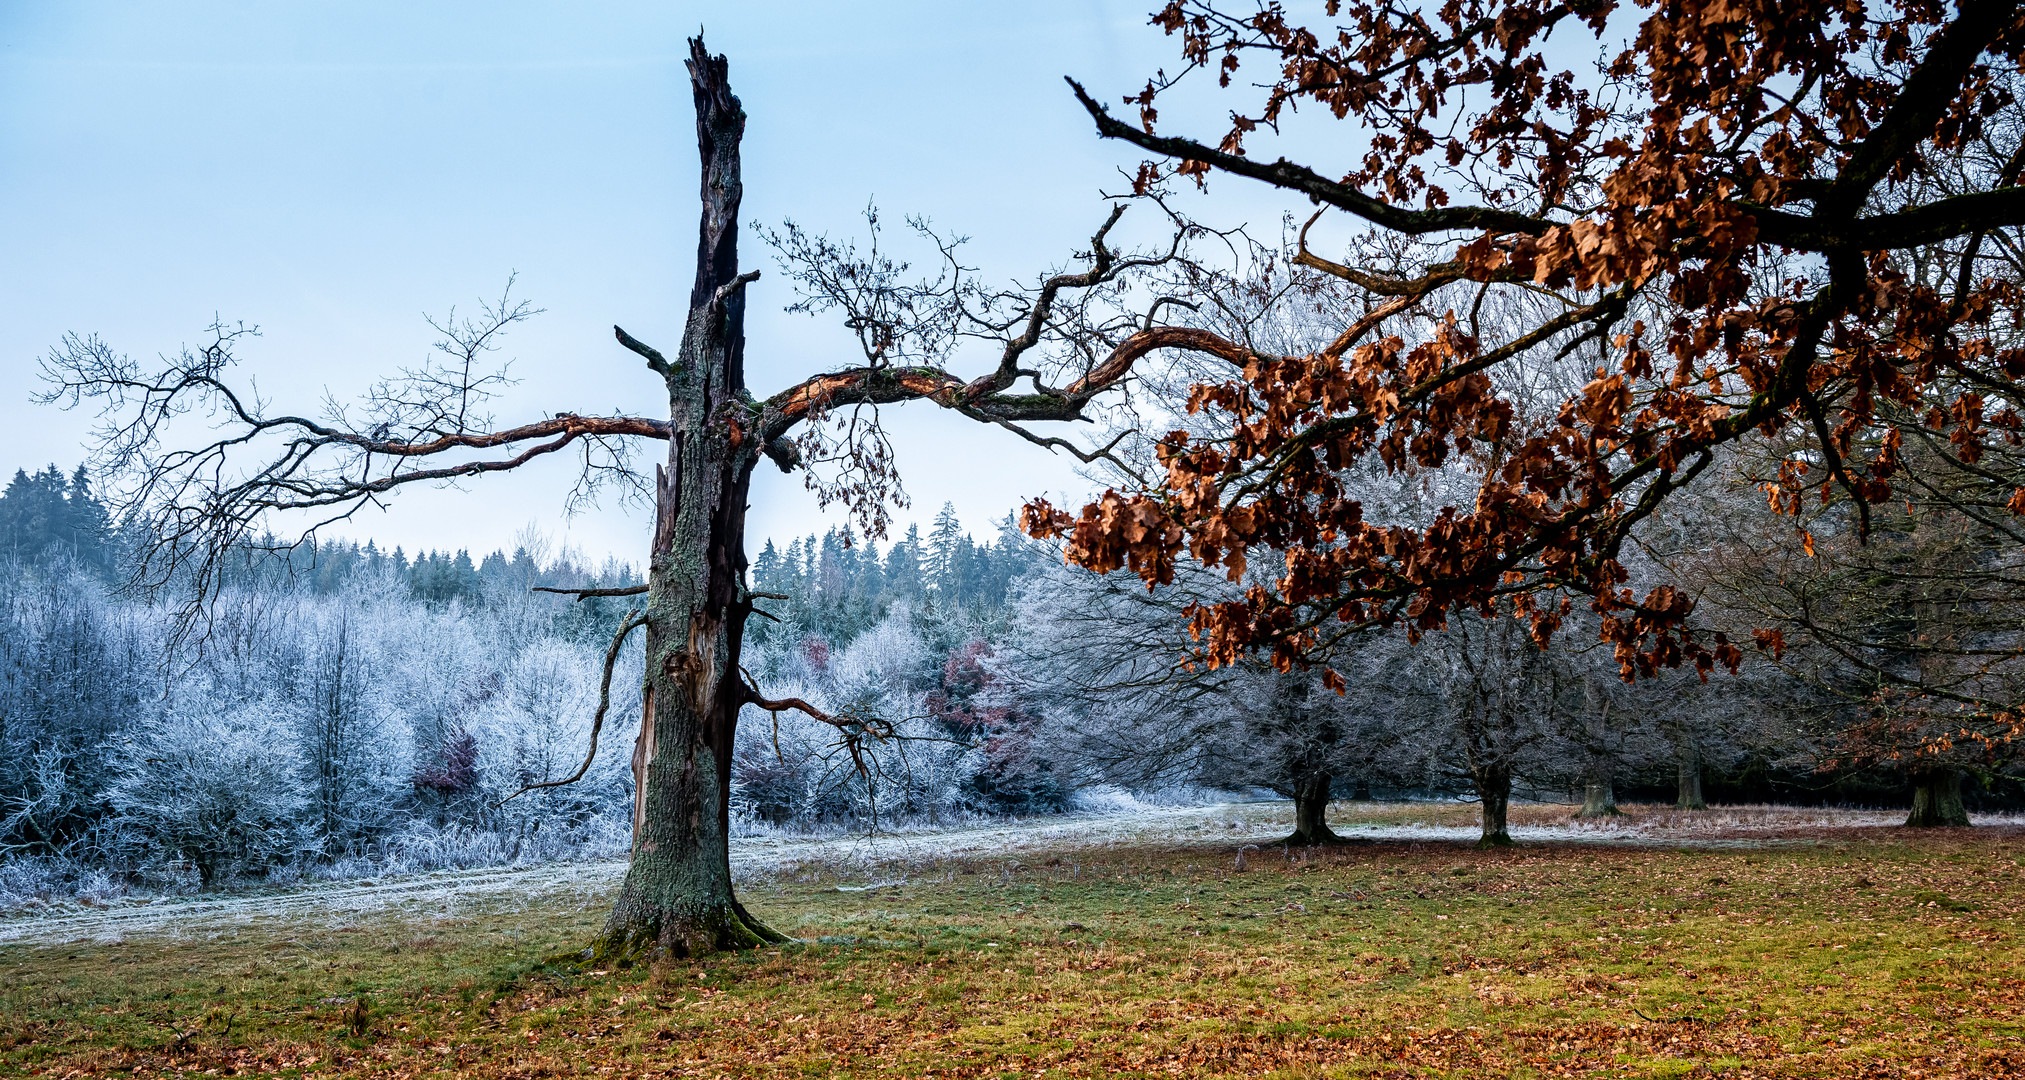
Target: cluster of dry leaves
x,y
1755,216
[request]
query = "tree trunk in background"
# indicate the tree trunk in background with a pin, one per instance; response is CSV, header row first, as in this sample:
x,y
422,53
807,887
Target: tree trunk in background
x,y
1363,791
1937,800
1494,790
677,899
1690,779
1311,812
1599,797
1599,791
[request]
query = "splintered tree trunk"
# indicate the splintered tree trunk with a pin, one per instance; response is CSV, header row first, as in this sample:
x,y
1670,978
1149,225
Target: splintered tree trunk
x,y
1311,812
1494,790
677,899
1691,780
1937,800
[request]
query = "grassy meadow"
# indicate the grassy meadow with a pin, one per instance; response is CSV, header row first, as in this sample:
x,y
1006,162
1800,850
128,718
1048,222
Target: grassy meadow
x,y
1808,951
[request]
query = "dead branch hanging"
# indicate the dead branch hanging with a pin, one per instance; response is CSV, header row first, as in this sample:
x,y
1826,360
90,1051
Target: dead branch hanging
x,y
633,621
853,729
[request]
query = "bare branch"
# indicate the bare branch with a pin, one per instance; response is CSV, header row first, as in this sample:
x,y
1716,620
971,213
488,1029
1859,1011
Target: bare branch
x,y
205,467
655,360
633,621
852,729
585,594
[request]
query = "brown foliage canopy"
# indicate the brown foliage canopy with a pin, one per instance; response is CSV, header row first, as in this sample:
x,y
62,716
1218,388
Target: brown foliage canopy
x,y
1766,216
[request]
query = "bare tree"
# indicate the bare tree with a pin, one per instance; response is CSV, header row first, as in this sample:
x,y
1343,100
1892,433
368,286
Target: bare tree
x,y
1107,664
1500,698
1060,344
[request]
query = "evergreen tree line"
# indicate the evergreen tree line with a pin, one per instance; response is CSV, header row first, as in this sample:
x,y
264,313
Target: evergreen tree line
x,y
840,586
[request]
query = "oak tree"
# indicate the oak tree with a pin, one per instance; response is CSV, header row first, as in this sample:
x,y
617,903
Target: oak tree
x,y
1742,219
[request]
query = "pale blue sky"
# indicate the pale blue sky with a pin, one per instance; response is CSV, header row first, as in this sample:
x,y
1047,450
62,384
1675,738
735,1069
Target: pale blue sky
x,y
331,171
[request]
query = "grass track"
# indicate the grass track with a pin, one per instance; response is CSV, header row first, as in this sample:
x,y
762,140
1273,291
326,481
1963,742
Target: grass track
x,y
1827,948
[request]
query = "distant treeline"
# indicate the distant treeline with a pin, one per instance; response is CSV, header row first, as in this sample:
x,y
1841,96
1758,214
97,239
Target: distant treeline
x,y
348,709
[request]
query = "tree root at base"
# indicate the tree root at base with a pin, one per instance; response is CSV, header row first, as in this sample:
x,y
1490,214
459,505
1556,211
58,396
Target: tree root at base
x,y
641,942
1323,838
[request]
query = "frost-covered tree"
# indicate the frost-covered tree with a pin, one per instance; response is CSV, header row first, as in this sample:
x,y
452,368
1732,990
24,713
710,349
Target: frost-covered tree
x,y
346,751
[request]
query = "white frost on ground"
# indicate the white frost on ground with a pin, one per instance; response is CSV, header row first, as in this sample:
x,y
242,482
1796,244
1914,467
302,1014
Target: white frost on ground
x,y
877,860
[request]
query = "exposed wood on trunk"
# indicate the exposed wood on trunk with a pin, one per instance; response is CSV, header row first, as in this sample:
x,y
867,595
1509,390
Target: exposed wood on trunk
x,y
677,898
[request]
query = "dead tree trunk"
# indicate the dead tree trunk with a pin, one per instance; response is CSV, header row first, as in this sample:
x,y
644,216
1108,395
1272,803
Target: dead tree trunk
x,y
1937,800
677,898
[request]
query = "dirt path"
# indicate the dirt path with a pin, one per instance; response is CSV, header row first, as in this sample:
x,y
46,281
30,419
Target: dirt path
x,y
1215,828
451,891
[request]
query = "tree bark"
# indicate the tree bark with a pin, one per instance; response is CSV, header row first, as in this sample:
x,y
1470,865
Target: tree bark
x,y
677,898
1599,797
1690,797
1311,812
1599,791
1494,791
1937,800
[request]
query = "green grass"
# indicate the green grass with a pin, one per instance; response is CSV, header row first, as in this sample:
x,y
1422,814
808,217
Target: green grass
x,y
1889,956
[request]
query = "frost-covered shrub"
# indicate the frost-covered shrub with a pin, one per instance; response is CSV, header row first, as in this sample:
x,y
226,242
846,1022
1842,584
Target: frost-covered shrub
x,y
791,769
30,883
219,790
536,728
348,744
